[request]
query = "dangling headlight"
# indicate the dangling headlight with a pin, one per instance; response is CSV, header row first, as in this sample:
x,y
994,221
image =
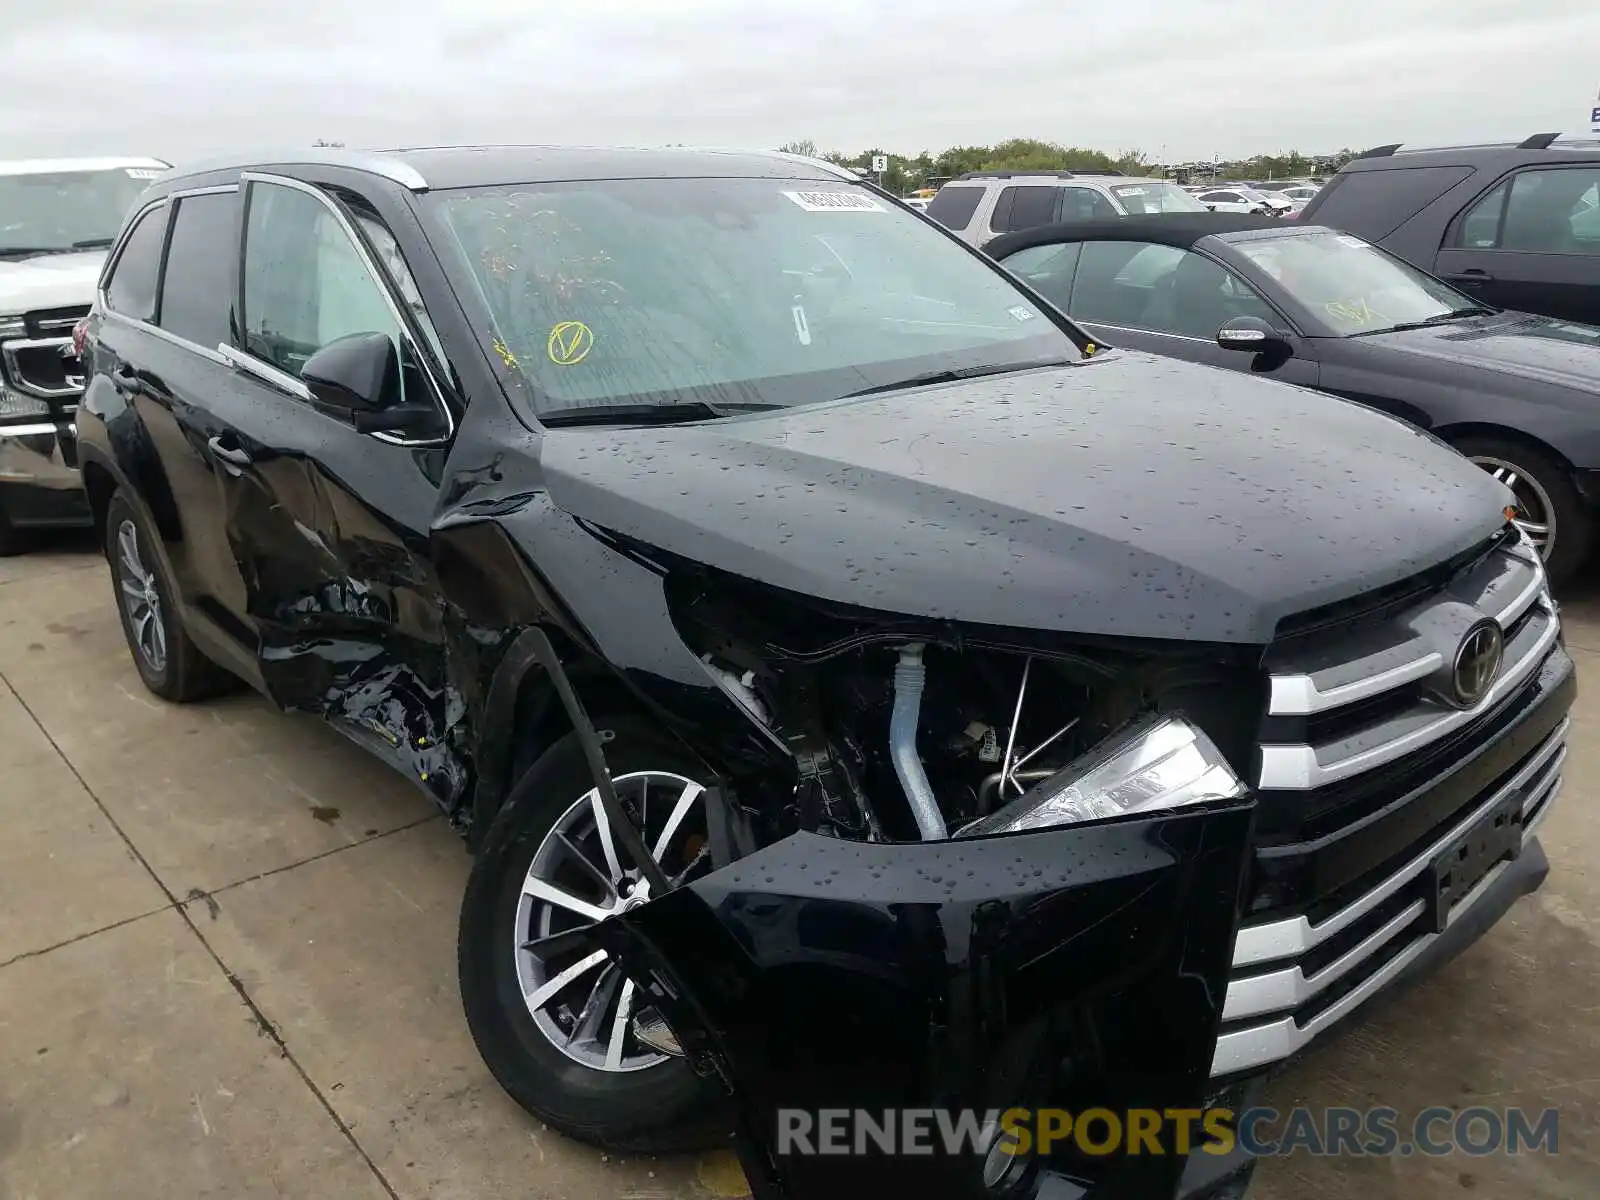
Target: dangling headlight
x,y
1158,762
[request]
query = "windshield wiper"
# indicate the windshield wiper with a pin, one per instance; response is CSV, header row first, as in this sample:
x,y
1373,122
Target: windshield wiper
x,y
951,375
31,251
646,414
100,243
1455,314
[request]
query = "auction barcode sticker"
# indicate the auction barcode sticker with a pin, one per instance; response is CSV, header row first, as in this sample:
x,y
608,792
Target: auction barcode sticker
x,y
835,202
141,172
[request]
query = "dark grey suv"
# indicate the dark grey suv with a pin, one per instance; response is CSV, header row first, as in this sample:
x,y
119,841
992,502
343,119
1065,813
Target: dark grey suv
x,y
1517,225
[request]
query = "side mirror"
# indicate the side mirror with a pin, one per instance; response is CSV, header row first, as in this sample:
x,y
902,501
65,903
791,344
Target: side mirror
x,y
358,374
1253,335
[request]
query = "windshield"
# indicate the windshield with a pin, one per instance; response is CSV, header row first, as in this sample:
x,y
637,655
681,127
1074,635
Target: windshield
x,y
1352,287
730,293
53,211
1155,197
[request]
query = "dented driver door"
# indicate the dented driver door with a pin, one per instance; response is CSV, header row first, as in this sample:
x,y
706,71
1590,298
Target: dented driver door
x,y
329,525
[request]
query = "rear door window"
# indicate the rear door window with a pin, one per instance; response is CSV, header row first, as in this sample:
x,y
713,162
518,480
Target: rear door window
x,y
1550,210
131,290
954,205
1376,203
1025,207
197,287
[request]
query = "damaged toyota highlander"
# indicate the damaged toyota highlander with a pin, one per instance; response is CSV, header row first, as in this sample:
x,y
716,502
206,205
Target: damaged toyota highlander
x,y
857,689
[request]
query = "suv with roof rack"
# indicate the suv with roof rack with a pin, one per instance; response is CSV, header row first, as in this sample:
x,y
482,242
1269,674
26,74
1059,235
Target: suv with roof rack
x,y
984,204
854,692
1516,224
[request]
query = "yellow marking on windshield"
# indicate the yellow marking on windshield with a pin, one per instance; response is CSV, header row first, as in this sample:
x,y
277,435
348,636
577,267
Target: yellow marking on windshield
x,y
570,343
1356,312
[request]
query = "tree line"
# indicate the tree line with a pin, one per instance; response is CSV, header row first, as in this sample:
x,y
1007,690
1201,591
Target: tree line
x,y
906,173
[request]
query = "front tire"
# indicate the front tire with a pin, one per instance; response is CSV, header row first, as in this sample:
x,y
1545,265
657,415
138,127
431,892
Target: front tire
x,y
1549,507
547,1023
169,663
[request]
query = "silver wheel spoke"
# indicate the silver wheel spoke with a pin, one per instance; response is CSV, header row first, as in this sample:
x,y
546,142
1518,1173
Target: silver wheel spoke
x,y
132,591
586,1028
579,859
602,825
551,894
128,542
680,810
548,990
619,1026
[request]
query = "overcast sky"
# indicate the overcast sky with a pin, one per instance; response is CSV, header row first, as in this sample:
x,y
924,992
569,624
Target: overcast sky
x,y
1188,78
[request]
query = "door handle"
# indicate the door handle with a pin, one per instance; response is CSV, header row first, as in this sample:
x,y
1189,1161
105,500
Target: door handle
x,y
1470,275
233,455
126,379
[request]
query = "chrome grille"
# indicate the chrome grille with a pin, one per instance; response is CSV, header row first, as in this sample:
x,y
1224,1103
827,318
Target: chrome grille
x,y
1367,698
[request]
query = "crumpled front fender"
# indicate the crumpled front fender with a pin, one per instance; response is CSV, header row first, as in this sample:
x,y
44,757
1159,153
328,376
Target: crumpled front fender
x,y
1067,968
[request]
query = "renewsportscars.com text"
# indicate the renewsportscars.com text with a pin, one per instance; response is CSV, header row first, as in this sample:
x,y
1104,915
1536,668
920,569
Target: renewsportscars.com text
x,y
1263,1132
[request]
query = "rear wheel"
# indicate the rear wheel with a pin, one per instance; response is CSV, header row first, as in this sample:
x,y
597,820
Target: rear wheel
x,y
559,1025
169,663
1549,508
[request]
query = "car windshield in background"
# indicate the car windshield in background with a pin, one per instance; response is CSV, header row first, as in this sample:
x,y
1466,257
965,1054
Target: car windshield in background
x,y
56,211
1138,198
1350,286
730,294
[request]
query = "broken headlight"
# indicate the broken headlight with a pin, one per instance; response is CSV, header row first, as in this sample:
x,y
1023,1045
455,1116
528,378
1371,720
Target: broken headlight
x,y
1156,763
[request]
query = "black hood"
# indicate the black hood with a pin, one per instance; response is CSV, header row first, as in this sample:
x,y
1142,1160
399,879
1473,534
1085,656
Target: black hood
x,y
1561,354
1129,495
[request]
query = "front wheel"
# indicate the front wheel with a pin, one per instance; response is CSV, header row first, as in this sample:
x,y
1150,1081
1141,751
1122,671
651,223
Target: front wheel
x,y
1549,509
559,1024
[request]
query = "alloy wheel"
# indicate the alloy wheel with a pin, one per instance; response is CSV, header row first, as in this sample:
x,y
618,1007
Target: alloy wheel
x,y
140,599
1536,512
578,998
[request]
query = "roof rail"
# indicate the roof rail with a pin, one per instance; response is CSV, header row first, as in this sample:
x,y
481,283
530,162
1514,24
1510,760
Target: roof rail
x,y
1539,141
1380,151
381,163
1018,175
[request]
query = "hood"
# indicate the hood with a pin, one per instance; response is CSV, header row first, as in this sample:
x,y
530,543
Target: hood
x,y
1130,495
49,281
1560,353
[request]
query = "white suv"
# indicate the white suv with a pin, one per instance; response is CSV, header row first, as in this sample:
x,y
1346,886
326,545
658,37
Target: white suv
x,y
58,217
984,204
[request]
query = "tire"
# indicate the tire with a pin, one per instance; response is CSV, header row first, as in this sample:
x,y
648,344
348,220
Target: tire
x,y
179,672
656,1108
11,539
1540,483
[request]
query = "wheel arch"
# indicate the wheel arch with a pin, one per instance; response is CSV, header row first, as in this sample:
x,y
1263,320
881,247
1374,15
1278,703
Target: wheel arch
x,y
1461,430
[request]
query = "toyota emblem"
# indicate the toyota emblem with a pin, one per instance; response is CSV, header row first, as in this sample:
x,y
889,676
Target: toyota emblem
x,y
1477,663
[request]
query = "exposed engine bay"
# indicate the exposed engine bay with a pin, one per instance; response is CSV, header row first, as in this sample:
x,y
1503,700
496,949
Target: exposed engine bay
x,y
912,732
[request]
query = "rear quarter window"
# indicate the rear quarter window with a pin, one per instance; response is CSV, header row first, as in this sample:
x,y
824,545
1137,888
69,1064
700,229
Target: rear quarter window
x,y
131,287
954,205
1376,203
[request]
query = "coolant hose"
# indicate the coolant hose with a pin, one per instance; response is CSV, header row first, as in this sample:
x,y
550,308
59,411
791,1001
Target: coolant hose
x,y
908,676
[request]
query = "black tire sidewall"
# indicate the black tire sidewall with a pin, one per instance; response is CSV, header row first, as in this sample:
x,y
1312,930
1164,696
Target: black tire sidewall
x,y
162,682
1574,522
659,1108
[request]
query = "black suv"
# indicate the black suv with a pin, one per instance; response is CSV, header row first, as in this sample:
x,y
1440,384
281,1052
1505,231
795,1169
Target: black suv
x,y
857,690
1517,225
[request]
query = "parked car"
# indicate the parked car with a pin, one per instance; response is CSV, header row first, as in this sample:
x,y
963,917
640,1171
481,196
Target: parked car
x,y
979,205
1237,198
920,203
842,672
57,218
1313,306
1517,225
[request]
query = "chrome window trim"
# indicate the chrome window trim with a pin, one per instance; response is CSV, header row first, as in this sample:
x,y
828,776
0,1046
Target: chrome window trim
x,y
1275,940
241,360
1297,767
381,281
165,335
37,429
1260,1045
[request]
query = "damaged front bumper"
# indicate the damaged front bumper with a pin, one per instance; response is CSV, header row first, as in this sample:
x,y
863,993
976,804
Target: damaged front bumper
x,y
39,480
1060,969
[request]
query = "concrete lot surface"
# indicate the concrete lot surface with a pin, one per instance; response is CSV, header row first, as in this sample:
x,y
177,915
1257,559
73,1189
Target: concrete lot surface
x,y
227,967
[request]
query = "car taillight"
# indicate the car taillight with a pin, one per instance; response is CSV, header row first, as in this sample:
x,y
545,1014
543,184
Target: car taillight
x,y
80,332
